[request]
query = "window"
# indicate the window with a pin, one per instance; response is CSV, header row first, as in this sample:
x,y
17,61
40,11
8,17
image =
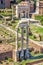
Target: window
x,y
1,1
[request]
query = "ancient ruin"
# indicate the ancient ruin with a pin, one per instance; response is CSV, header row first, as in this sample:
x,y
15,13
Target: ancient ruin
x,y
22,54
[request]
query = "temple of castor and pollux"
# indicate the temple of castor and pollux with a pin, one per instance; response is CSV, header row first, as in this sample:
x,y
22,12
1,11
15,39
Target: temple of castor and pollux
x,y
23,10
22,54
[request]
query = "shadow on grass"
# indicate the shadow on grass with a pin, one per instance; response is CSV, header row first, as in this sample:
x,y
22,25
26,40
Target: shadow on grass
x,y
36,57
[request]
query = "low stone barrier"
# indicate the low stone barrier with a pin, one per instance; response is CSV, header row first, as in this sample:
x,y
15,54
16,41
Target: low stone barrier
x,y
36,62
35,45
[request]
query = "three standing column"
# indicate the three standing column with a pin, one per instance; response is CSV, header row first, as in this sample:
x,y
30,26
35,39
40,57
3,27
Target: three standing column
x,y
22,54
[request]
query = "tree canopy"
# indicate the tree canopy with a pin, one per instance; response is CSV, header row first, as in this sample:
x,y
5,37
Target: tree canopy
x,y
17,1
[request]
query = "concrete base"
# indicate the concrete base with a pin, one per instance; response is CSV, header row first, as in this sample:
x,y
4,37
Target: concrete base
x,y
21,55
27,54
16,55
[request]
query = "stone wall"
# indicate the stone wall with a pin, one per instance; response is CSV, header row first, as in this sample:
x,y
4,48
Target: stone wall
x,y
41,10
5,55
35,46
7,3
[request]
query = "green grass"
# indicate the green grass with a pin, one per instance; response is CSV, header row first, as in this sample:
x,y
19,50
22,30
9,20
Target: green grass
x,y
28,61
8,36
39,18
0,21
33,54
32,37
6,14
36,30
14,24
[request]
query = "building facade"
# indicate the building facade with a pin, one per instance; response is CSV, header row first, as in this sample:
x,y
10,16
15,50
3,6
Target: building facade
x,y
5,3
23,9
41,7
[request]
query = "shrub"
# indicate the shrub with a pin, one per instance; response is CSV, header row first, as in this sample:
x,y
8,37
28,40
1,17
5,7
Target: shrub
x,y
41,21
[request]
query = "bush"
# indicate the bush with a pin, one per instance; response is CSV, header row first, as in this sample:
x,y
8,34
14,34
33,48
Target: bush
x,y
36,52
31,49
16,18
39,18
41,21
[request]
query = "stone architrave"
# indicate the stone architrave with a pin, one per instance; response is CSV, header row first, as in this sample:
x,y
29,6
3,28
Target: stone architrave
x,y
23,8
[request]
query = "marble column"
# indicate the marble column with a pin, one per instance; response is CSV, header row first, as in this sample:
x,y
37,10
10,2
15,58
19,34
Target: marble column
x,y
17,52
17,39
25,14
22,51
12,14
27,37
27,49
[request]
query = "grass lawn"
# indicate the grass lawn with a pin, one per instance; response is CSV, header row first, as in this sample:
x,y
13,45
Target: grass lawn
x,y
26,61
0,21
14,24
33,54
39,18
6,13
7,35
36,30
